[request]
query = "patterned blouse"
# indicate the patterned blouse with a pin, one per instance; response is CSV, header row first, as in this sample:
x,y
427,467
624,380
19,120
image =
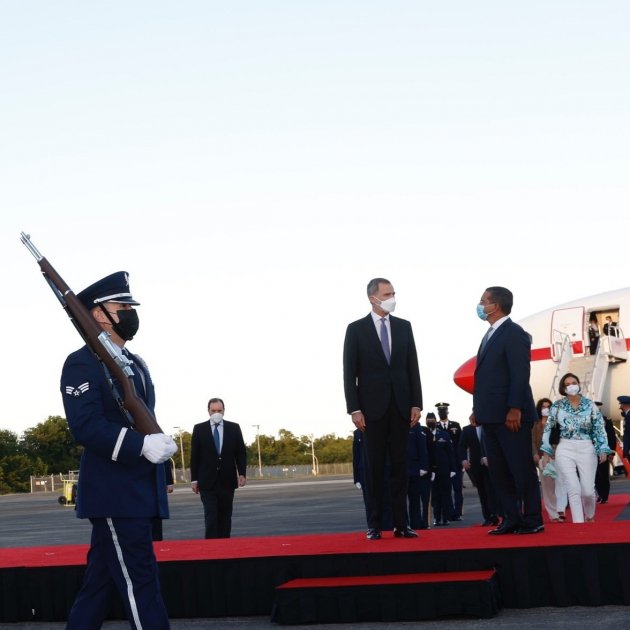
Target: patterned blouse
x,y
583,423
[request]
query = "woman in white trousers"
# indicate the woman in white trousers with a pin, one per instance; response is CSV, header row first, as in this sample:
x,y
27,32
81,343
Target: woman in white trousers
x,y
582,445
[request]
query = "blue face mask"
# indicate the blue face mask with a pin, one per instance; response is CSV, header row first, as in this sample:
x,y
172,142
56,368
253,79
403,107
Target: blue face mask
x,y
481,313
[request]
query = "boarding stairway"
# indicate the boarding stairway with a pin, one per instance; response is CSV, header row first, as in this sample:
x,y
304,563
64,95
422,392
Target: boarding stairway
x,y
592,370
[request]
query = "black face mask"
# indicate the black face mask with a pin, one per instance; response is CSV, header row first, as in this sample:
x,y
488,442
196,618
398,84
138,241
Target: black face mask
x,y
431,425
127,325
443,415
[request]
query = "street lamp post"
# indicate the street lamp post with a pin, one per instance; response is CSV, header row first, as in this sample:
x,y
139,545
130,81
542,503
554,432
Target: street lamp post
x,y
257,427
315,462
181,446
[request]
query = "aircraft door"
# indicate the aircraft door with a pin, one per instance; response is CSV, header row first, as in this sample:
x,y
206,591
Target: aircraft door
x,y
567,323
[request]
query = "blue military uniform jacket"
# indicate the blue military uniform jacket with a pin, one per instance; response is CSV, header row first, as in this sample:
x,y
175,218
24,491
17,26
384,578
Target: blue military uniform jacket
x,y
417,452
115,480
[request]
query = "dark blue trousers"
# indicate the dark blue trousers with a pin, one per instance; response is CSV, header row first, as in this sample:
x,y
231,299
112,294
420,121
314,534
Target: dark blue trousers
x,y
513,474
120,558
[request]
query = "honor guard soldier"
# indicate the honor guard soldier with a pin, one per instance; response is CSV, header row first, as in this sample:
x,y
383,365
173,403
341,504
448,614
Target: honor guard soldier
x,y
122,487
443,465
454,430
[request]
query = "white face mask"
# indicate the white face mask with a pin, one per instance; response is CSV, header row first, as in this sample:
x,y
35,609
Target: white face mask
x,y
572,390
545,411
388,305
215,418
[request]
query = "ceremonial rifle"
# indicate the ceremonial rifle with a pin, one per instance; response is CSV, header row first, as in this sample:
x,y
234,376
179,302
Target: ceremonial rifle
x,y
99,342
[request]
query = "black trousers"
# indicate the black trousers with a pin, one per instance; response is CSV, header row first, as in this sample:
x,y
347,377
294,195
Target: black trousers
x,y
386,441
217,511
602,480
481,480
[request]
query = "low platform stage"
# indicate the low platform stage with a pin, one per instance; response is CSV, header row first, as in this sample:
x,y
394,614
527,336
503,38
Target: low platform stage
x,y
583,564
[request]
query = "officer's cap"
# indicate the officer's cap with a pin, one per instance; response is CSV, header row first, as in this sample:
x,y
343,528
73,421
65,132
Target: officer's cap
x,y
441,405
624,400
112,288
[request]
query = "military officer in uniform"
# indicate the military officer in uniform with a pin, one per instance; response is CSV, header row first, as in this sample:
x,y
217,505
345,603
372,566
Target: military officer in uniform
x,y
122,487
443,465
418,486
454,430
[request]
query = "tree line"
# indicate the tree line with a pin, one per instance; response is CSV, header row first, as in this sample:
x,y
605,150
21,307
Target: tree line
x,y
49,448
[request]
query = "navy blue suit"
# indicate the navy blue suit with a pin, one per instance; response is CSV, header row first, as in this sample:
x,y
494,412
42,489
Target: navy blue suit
x,y
502,382
385,393
120,491
418,486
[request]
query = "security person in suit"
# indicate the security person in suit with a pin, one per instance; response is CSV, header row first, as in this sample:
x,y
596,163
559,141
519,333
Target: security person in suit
x,y
504,406
454,429
624,407
121,481
418,471
384,398
443,465
218,465
472,460
602,475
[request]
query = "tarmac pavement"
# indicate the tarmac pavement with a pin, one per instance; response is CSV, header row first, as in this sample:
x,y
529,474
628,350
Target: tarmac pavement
x,y
268,508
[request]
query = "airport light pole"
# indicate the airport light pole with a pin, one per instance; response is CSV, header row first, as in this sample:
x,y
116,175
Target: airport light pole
x,y
181,446
257,427
315,461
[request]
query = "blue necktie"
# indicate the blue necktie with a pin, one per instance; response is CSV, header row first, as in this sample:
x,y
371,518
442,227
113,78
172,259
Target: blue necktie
x,y
485,339
217,437
385,339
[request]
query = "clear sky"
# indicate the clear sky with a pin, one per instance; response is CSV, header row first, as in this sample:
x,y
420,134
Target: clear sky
x,y
253,164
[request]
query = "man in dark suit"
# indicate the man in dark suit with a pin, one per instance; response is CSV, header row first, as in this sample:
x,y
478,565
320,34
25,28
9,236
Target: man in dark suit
x,y
475,464
624,407
610,327
504,406
218,465
384,398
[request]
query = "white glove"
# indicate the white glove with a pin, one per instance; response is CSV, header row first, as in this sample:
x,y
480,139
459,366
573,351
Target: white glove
x,y
423,472
432,476
452,475
158,447
358,485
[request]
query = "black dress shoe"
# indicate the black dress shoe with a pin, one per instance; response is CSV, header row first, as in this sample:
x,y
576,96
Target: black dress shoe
x,y
405,533
373,534
457,518
499,531
530,530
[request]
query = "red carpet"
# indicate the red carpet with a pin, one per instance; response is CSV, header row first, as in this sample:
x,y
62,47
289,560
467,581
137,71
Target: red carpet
x,y
604,531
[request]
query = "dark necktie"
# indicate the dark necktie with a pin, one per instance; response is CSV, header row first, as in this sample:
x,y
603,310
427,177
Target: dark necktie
x,y
385,339
216,437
